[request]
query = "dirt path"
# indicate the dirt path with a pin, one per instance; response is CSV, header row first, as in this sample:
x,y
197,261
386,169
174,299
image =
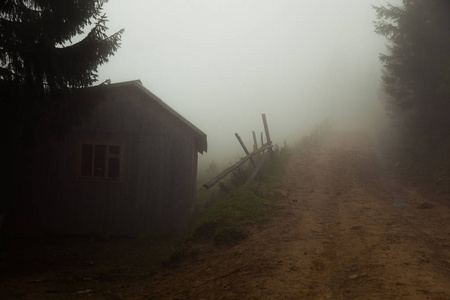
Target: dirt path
x,y
341,230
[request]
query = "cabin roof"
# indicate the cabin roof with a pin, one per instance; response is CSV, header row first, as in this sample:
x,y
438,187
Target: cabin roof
x,y
200,136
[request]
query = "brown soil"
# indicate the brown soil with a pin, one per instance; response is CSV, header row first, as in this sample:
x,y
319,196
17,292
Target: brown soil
x,y
341,229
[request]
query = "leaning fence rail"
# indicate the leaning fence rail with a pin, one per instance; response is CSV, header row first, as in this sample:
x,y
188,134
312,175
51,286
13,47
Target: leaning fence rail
x,y
249,156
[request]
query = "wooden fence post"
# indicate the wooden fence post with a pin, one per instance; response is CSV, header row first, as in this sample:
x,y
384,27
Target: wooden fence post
x,y
255,143
266,129
262,139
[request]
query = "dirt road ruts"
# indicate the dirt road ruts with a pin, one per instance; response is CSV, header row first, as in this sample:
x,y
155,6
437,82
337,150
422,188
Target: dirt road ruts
x,y
343,230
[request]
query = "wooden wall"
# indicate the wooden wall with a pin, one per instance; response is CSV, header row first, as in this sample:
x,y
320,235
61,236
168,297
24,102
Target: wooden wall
x,y
157,190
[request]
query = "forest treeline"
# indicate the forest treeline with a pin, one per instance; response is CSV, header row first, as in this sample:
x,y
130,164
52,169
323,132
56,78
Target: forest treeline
x,y
416,79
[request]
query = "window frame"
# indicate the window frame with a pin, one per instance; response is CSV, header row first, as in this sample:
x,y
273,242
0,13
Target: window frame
x,y
108,156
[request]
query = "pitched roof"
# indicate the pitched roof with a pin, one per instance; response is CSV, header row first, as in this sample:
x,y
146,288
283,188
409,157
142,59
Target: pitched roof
x,y
200,136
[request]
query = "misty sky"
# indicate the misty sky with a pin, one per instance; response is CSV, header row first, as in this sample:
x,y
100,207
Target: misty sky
x,y
222,63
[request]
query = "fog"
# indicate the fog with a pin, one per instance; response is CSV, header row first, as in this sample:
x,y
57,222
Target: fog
x,y
221,64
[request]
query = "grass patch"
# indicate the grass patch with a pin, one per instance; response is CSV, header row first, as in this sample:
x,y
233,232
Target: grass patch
x,y
227,217
223,214
242,206
222,219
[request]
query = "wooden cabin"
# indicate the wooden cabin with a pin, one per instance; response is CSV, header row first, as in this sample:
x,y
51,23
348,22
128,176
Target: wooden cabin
x,y
127,167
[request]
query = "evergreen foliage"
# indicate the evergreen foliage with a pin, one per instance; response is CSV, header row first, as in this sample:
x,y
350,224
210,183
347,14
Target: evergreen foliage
x,y
38,58
417,65
36,42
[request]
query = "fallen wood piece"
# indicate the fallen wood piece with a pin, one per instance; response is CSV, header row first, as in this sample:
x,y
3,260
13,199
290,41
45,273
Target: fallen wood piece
x,y
236,165
266,129
245,149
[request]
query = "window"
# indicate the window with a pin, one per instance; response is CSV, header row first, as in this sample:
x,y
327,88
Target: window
x,y
99,161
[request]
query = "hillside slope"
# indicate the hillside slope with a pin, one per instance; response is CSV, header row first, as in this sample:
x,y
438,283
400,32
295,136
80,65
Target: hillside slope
x,y
342,229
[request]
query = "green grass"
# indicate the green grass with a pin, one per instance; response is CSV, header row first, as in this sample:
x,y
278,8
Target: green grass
x,y
227,217
239,207
224,213
231,206
222,219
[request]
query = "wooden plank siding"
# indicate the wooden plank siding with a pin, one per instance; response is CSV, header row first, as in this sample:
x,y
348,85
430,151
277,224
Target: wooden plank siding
x,y
156,191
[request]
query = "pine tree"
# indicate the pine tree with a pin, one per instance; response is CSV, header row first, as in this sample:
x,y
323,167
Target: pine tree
x,y
418,59
36,42
38,58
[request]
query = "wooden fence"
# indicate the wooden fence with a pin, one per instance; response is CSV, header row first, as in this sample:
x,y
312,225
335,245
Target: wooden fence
x,y
265,149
